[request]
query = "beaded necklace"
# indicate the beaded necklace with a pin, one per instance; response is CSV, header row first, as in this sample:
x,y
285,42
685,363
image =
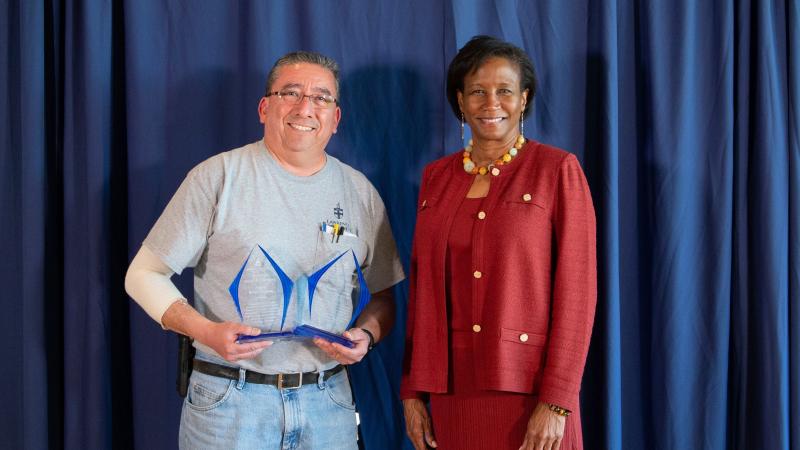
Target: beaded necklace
x,y
493,167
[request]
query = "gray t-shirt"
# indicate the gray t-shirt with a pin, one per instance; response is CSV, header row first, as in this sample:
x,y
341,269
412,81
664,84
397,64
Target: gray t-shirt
x,y
240,219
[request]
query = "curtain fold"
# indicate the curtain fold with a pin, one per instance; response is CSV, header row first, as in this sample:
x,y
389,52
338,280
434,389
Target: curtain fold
x,y
765,297
793,147
684,116
23,189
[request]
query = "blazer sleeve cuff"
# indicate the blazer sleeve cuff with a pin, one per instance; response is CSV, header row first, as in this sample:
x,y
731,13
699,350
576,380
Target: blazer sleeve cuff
x,y
556,395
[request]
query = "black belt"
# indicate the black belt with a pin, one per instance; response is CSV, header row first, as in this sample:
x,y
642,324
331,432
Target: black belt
x,y
281,380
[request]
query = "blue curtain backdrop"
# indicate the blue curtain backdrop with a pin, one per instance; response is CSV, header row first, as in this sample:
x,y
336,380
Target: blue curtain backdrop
x,y
684,115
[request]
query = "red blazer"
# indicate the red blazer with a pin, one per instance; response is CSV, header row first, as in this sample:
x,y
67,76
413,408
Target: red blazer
x,y
535,280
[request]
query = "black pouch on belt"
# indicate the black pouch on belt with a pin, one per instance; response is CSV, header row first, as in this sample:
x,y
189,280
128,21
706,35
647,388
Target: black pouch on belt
x,y
185,356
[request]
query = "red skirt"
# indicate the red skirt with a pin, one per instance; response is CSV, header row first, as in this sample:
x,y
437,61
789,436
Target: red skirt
x,y
467,418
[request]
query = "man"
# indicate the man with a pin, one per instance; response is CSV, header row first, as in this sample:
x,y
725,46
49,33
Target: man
x,y
279,234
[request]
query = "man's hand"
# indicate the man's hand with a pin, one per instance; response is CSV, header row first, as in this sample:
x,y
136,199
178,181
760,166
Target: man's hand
x,y
418,424
545,429
377,317
222,338
343,354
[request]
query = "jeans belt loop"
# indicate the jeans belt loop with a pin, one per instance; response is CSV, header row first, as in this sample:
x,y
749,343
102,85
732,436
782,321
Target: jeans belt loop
x,y
321,379
242,378
299,381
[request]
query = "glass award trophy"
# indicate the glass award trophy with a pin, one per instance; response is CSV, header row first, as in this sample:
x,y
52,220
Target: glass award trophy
x,y
306,288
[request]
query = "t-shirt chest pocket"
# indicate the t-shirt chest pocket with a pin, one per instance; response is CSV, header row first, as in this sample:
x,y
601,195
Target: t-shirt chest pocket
x,y
339,251
335,286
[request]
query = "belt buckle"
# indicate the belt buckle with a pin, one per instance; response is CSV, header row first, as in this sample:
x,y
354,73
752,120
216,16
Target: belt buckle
x,y
299,381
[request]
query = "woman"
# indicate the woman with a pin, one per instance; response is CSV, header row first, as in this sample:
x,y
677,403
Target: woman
x,y
503,274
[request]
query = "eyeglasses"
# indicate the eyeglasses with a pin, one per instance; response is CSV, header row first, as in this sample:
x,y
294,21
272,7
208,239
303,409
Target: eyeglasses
x,y
293,97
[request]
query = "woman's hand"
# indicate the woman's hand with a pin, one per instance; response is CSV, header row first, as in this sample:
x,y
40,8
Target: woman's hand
x,y
418,424
545,429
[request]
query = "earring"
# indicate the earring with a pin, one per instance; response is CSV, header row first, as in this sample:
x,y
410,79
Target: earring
x,y
462,127
522,124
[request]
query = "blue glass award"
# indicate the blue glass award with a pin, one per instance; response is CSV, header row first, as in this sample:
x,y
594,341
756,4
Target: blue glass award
x,y
306,288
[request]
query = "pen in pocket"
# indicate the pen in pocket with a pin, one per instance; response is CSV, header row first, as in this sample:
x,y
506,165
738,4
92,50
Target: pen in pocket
x,y
336,230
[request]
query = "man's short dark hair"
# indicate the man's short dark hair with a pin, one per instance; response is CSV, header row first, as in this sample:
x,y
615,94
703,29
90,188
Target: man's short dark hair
x,y
303,57
474,53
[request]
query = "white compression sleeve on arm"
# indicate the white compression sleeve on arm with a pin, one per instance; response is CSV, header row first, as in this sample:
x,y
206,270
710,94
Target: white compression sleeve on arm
x,y
148,282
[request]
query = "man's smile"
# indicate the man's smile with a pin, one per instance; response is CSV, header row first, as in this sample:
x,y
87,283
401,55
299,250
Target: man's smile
x,y
298,127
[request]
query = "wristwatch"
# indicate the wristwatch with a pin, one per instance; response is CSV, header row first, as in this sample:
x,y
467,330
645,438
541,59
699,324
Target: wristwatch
x,y
371,339
559,410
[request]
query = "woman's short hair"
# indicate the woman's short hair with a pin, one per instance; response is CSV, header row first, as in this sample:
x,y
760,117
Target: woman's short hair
x,y
474,53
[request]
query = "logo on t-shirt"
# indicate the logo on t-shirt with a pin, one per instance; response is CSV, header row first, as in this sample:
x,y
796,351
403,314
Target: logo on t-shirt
x,y
343,227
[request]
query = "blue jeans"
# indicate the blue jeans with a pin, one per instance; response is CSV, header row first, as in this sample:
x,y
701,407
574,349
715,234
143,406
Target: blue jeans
x,y
230,414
